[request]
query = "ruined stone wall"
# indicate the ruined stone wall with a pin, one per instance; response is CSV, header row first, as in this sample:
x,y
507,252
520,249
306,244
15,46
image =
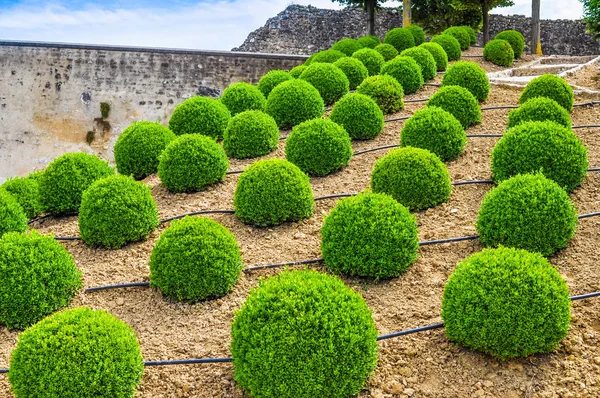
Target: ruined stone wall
x,y
50,94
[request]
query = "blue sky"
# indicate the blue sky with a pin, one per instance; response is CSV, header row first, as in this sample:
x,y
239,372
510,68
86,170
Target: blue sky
x,y
203,24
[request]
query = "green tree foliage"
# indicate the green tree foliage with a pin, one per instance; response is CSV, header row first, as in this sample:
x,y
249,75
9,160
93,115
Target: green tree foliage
x,y
484,7
591,15
435,16
371,6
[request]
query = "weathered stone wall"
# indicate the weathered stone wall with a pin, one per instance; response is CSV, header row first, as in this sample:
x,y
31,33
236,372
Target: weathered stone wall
x,y
50,94
304,30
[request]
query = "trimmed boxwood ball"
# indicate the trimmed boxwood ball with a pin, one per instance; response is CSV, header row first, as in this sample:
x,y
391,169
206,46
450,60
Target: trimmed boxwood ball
x,y
139,147
37,277
355,71
297,71
359,115
325,56
26,190
271,192
471,32
507,303
242,96
418,34
460,34
369,235
539,109
415,177
499,52
369,41
459,102
76,353
65,179
424,59
194,259
400,38
406,71
450,45
200,115
328,79
321,343
191,163
318,147
388,51
250,134
12,215
516,40
544,147
470,76
385,91
436,130
549,86
348,46
294,102
438,53
371,59
115,211
528,212
272,79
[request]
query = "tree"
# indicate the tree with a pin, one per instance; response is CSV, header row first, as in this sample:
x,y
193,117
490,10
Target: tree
x,y
435,16
591,15
484,6
370,6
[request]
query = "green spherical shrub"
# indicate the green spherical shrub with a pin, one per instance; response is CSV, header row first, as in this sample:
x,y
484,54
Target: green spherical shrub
x,y
424,59
460,34
528,212
325,56
436,130
200,115
329,80
272,79
26,190
321,342
250,134
549,86
450,45
115,211
271,192
191,163
37,277
318,147
348,46
194,259
385,91
459,102
12,215
418,34
516,40
406,71
369,41
388,51
297,71
470,76
371,59
359,115
545,147
241,96
65,179
539,109
439,55
77,353
415,177
356,72
471,32
139,147
294,102
369,235
400,38
507,303
499,52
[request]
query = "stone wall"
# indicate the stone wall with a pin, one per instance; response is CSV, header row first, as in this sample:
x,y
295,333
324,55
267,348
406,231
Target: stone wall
x,y
304,30
50,94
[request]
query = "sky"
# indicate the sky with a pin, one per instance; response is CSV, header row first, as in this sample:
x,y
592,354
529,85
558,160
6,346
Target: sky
x,y
199,24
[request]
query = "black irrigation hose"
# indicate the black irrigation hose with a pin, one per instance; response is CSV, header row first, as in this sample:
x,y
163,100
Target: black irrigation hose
x,y
433,84
489,108
590,103
588,215
472,56
448,240
410,331
120,286
594,169
336,195
195,213
187,361
376,149
417,100
585,126
67,238
267,266
472,182
396,119
483,135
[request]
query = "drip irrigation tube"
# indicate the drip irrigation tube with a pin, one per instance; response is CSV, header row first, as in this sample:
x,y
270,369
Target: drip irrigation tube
x,y
396,119
589,103
416,100
489,108
410,331
588,215
585,126
432,84
267,266
119,286
67,238
195,213
472,182
337,195
376,149
187,361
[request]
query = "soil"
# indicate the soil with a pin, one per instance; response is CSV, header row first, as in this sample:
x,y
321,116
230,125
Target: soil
x,y
420,365
587,77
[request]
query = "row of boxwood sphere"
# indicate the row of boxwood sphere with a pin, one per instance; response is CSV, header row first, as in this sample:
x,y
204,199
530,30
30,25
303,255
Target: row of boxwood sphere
x,y
507,46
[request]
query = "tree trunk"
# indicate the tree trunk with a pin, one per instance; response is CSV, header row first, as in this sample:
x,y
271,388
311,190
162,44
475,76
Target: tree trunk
x,y
371,16
486,21
406,11
535,45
